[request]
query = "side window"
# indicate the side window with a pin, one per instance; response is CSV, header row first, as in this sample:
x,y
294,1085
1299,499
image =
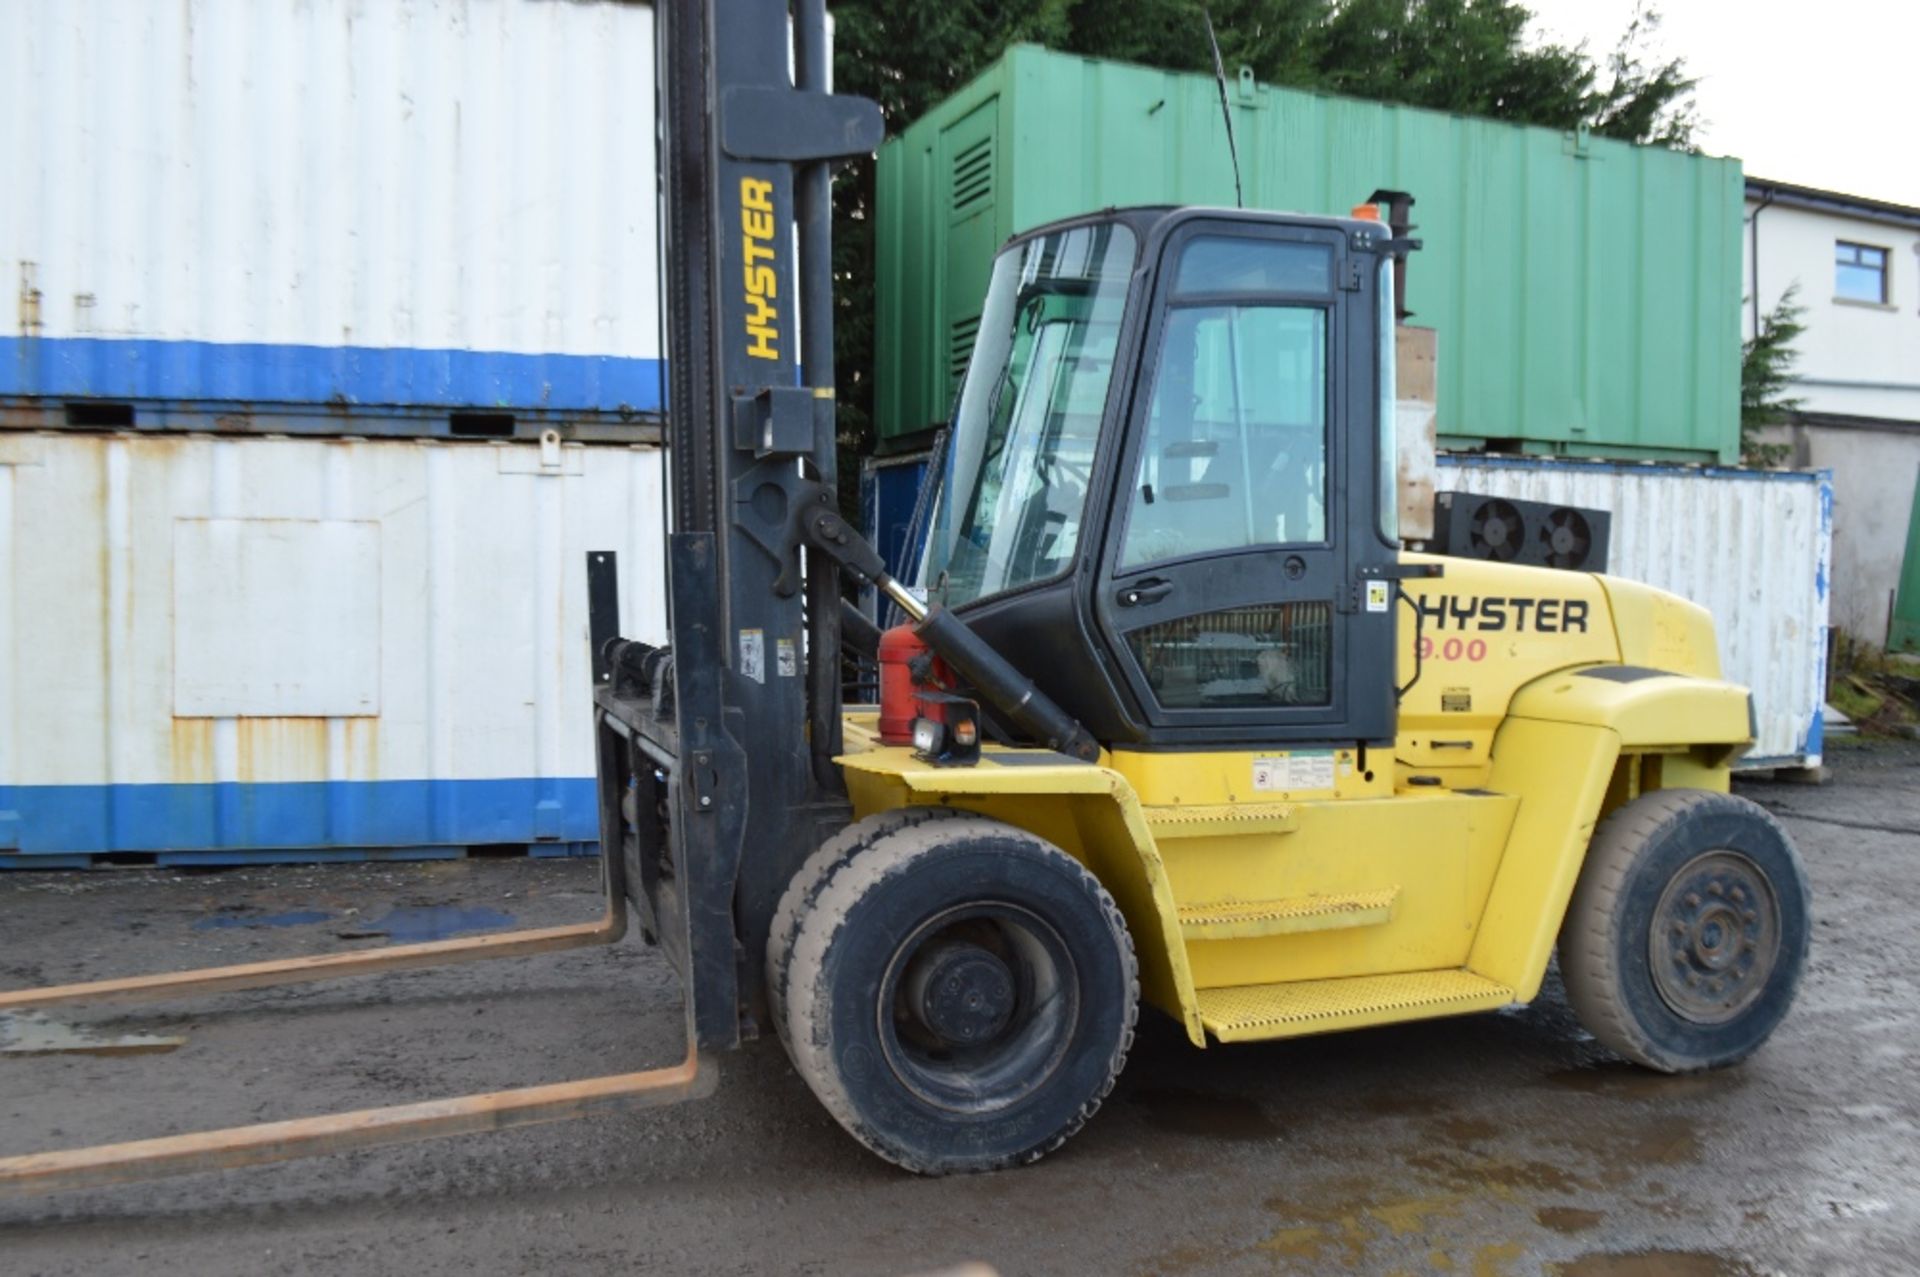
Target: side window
x,y
1235,452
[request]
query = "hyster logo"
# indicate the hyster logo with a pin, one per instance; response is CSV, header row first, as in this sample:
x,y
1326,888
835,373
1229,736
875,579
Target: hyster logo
x,y
1546,616
763,282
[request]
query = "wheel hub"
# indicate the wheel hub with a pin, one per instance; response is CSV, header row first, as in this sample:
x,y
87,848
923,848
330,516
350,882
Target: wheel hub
x,y
1716,937
962,993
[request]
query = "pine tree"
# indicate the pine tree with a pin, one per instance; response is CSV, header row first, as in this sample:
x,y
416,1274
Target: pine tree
x,y
1766,374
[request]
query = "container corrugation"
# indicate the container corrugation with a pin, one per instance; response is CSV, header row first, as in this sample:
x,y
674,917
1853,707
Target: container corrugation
x,y
358,203
1586,292
1753,547
210,644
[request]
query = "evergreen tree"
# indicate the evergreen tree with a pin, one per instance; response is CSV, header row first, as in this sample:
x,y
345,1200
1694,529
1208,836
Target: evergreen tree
x,y
1766,374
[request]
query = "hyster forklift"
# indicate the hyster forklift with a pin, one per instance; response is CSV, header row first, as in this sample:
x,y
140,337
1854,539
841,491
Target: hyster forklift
x,y
1172,718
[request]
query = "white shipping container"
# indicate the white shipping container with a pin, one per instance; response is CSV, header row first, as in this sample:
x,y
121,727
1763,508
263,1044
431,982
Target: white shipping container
x,y
1754,547
386,203
223,644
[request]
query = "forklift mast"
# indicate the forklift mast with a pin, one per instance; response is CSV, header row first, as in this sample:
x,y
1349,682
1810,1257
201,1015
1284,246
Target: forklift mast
x,y
723,741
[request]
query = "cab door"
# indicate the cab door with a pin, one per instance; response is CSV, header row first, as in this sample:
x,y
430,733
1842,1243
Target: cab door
x,y
1242,590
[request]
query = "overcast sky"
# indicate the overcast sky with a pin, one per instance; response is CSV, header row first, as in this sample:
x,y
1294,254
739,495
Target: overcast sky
x,y
1816,92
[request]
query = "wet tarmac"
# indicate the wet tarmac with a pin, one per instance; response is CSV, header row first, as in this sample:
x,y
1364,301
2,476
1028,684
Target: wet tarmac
x,y
1499,1144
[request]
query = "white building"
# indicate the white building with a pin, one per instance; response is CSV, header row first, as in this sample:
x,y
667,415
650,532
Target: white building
x,y
1855,264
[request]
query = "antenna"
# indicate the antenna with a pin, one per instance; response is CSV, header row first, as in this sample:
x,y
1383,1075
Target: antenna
x,y
1220,78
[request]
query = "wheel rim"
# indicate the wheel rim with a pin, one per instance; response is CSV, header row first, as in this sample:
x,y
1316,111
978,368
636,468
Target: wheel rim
x,y
1716,937
978,1006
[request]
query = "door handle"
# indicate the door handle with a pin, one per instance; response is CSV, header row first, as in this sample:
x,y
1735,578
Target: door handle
x,y
1148,589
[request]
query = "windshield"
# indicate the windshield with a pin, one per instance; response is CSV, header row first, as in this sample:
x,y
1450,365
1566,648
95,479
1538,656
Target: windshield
x,y
1021,451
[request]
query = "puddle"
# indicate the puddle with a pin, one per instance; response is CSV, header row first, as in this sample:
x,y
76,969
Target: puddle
x,y
1410,1217
1654,1263
434,922
30,1033
1630,1081
1496,1258
235,921
1207,1115
1638,1146
1467,1130
1187,1259
1404,1104
1471,1172
1568,1219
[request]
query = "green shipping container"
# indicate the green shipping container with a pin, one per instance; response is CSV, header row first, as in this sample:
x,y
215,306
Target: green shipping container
x,y
1586,292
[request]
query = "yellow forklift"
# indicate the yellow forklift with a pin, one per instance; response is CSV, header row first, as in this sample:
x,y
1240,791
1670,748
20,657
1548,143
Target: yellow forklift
x,y
1171,716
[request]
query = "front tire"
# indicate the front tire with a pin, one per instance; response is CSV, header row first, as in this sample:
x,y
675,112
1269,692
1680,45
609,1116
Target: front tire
x,y
961,995
1686,936
811,879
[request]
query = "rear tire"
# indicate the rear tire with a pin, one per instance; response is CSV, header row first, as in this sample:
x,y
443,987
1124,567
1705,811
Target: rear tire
x,y
1686,936
961,996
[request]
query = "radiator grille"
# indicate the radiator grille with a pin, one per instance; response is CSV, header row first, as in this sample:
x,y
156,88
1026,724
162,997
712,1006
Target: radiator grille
x,y
1273,654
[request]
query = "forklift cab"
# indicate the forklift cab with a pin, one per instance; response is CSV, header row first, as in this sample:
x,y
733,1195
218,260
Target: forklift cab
x,y
1172,455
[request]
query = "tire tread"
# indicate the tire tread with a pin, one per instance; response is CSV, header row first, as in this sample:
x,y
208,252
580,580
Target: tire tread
x,y
1589,967
887,855
812,877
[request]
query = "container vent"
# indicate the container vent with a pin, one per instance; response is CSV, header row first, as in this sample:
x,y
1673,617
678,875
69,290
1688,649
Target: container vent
x,y
964,332
480,425
973,176
91,414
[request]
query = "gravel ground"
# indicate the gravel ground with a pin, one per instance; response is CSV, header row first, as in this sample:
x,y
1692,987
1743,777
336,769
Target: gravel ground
x,y
1496,1144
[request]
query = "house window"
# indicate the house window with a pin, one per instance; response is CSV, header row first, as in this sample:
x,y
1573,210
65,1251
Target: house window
x,y
1859,272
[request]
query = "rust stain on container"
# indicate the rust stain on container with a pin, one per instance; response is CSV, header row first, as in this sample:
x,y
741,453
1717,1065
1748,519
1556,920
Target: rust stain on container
x,y
29,299
192,750
282,748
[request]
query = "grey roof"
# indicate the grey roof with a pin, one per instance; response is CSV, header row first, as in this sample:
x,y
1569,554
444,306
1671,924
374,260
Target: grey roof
x,y
1819,201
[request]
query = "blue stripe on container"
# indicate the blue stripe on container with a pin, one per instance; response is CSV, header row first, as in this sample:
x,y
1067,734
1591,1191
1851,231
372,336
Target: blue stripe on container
x,y
357,376
56,819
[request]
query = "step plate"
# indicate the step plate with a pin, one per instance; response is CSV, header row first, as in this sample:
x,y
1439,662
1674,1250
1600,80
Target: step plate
x,y
1251,1013
1232,919
1221,819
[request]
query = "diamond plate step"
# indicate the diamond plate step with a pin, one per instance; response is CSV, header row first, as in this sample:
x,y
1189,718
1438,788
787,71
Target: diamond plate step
x,y
1234,919
1189,821
1253,1012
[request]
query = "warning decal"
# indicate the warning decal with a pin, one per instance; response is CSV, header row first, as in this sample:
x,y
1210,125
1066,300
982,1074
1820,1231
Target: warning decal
x,y
753,655
1287,773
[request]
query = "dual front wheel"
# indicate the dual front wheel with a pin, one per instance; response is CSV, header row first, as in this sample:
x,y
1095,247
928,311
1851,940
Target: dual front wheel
x,y
959,993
